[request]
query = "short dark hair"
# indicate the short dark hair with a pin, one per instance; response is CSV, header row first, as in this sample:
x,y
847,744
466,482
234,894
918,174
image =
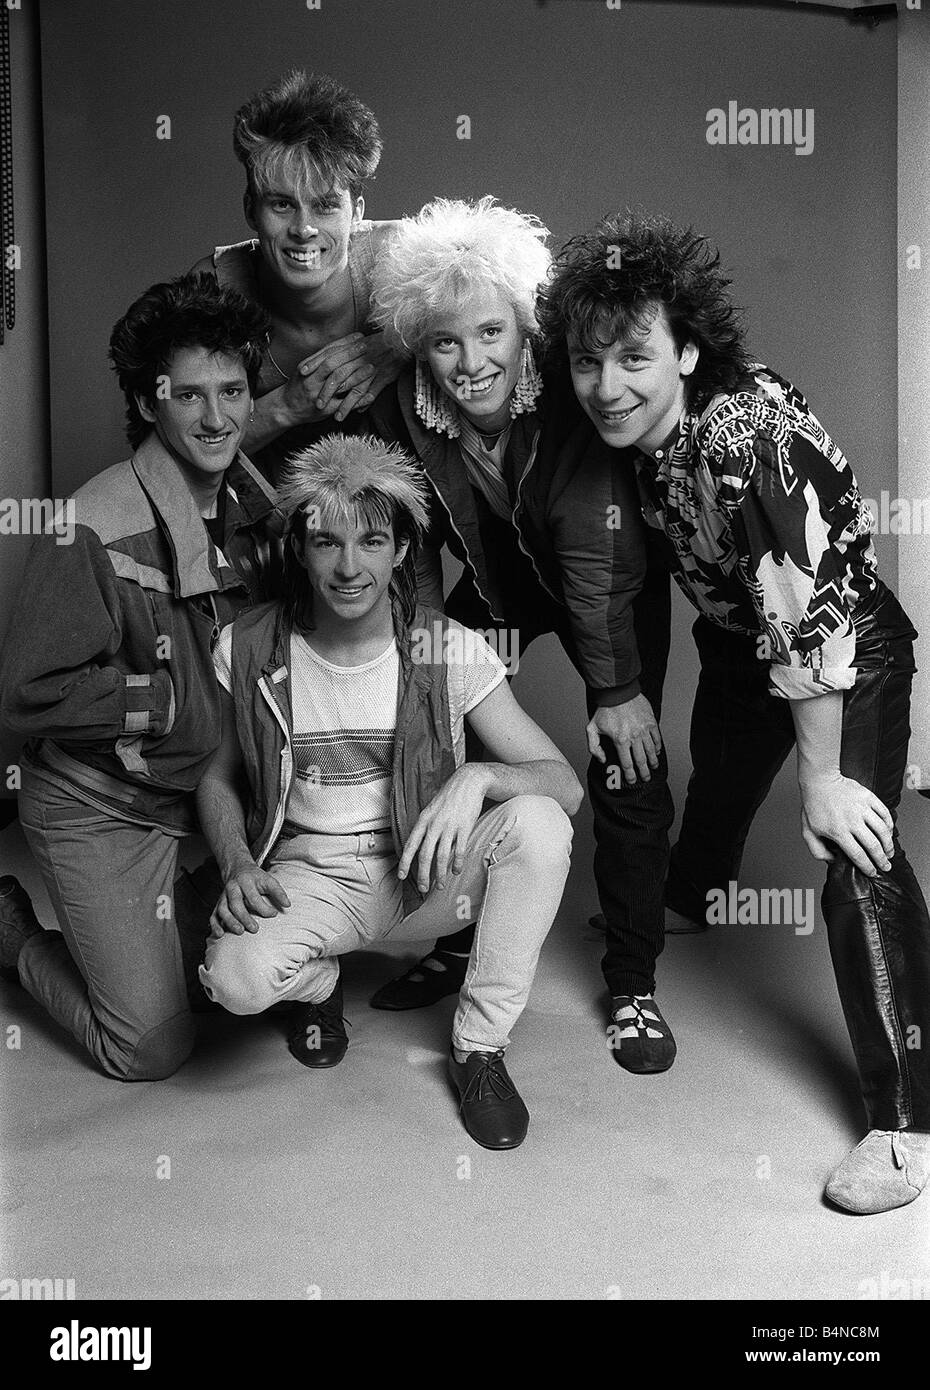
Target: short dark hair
x,y
609,281
310,125
190,311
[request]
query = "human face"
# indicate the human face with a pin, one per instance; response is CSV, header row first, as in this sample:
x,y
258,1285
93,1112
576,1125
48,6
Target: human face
x,y
634,389
303,234
350,566
474,354
204,420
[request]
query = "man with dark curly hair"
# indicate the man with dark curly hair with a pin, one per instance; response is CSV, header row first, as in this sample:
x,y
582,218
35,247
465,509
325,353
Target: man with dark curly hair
x,y
108,672
308,146
800,642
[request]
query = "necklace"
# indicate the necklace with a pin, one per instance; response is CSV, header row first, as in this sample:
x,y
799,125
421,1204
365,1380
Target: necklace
x,y
270,355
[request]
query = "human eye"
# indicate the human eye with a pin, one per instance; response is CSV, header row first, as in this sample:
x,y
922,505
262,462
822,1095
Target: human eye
x,y
234,392
185,397
444,344
634,359
493,330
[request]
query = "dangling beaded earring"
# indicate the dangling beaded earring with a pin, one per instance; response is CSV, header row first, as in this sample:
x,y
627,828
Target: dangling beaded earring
x,y
529,384
433,406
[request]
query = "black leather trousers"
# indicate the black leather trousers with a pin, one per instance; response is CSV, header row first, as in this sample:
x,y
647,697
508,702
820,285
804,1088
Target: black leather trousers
x,y
878,928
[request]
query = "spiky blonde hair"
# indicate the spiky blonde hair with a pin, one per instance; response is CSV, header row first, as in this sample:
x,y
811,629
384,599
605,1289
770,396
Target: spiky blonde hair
x,y
437,260
355,479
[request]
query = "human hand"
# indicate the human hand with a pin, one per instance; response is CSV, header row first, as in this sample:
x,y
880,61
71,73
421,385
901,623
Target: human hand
x,y
248,889
632,729
837,808
443,828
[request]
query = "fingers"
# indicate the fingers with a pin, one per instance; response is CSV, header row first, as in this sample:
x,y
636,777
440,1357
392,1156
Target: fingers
x,y
342,380
410,848
357,399
655,737
873,847
274,889
878,808
341,350
641,752
594,742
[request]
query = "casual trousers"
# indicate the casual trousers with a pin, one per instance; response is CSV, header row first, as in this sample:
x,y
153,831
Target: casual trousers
x,y
631,824
345,896
113,977
878,928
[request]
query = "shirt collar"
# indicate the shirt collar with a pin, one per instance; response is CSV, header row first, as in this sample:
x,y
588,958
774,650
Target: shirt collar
x,y
660,454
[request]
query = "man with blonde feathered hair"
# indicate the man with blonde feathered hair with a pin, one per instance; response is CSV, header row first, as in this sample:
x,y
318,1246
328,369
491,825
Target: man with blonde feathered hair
x,y
361,820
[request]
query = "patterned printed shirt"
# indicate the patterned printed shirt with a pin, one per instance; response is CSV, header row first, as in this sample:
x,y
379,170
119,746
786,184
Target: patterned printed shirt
x,y
770,534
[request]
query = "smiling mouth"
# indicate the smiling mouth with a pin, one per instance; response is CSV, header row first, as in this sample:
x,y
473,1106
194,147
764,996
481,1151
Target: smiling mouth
x,y
309,257
466,389
213,441
349,590
617,417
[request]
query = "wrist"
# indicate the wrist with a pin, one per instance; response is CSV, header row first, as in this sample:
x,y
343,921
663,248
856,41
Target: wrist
x,y
812,778
234,863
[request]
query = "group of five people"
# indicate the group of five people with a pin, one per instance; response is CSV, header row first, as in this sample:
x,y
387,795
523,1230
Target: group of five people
x,y
250,635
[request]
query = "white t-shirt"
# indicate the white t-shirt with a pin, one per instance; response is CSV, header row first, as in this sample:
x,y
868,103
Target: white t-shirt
x,y
344,721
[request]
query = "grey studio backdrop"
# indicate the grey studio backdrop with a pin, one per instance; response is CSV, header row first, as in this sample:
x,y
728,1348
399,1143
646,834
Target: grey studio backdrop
x,y
575,110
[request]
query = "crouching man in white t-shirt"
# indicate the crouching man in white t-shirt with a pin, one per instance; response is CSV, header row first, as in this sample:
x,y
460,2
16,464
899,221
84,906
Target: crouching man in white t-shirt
x,y
340,807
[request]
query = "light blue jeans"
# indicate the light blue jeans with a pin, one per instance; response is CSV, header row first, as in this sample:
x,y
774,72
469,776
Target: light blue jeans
x,y
345,895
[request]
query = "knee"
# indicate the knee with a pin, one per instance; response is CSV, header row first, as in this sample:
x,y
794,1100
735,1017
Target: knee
x,y
541,824
158,1053
236,979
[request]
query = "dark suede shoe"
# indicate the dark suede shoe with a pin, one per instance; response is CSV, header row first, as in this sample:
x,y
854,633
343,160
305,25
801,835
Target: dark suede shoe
x,y
18,922
419,986
490,1104
639,1037
318,1037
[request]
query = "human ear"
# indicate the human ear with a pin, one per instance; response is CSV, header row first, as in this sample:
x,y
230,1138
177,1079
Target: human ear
x,y
689,358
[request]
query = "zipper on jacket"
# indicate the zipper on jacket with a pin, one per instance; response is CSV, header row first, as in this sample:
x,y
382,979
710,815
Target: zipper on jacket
x,y
471,564
286,773
516,525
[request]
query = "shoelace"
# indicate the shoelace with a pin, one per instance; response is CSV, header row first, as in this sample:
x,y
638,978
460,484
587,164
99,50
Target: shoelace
x,y
502,1086
640,1018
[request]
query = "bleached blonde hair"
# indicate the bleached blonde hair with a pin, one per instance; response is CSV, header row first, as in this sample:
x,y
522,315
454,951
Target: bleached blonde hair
x,y
355,479
437,260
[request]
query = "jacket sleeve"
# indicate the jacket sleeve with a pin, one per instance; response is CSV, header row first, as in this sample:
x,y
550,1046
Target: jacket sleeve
x,y
597,536
59,678
794,509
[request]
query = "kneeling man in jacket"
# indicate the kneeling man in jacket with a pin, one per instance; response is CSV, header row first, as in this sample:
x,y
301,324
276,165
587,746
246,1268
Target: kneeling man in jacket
x,y
340,805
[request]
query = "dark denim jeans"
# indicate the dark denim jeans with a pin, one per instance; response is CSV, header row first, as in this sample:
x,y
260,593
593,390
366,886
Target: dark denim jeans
x,y
878,928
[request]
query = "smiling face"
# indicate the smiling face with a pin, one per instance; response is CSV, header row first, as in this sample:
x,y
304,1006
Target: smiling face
x,y
303,234
634,389
350,565
474,354
204,420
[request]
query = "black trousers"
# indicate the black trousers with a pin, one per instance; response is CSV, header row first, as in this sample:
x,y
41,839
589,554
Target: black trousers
x,y
878,928
631,824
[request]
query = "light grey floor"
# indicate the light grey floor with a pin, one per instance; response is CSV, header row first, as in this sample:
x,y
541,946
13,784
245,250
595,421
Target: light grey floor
x,y
359,1183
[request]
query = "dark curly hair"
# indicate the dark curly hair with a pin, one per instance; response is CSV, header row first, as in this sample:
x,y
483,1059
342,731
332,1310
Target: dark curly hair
x,y
191,311
307,123
606,283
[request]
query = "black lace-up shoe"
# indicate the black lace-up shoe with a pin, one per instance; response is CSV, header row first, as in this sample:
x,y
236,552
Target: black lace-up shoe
x,y
18,922
318,1037
490,1104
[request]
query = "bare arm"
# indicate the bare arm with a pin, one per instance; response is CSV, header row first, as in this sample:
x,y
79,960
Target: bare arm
x,y
834,807
528,764
247,888
525,760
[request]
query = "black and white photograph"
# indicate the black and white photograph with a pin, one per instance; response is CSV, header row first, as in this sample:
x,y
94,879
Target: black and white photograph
x,y
464,667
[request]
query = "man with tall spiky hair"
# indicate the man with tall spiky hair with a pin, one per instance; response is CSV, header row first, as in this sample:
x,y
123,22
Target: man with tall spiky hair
x,y
345,722
308,146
